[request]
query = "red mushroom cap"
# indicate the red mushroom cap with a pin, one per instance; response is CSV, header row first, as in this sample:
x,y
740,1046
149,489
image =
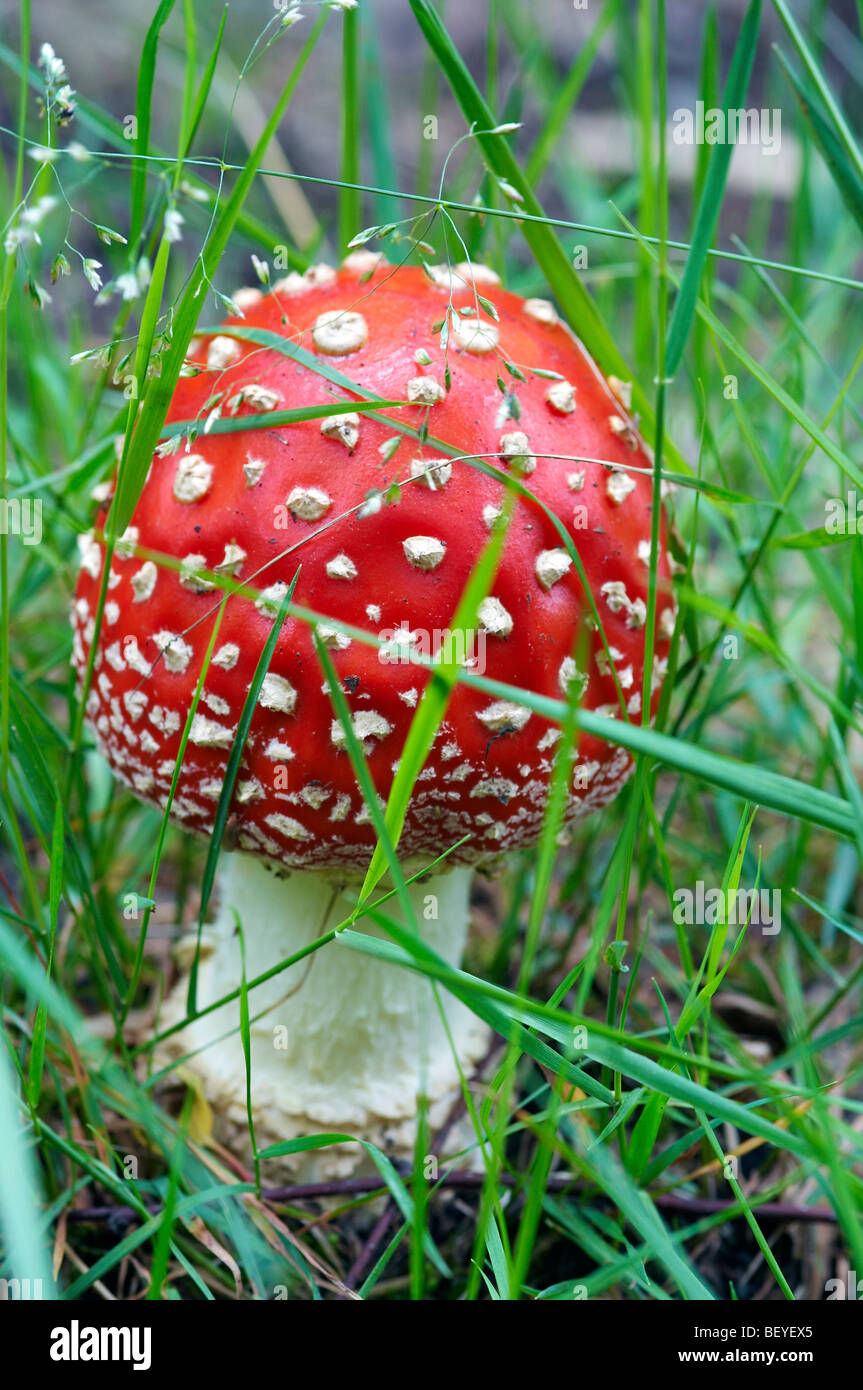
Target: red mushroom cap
x,y
256,503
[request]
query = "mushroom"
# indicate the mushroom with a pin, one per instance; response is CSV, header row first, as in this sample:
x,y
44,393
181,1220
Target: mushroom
x,y
336,1038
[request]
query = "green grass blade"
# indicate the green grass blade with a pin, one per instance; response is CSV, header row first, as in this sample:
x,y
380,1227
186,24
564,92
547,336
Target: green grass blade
x,y
432,706
846,176
350,212
203,89
143,115
568,95
25,1256
711,198
55,889
821,86
152,419
235,756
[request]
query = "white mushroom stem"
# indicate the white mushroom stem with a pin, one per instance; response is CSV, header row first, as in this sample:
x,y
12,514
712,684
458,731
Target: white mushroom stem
x,y
340,1041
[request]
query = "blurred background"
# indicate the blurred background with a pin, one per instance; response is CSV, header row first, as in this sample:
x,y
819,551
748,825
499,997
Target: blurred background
x,y
598,155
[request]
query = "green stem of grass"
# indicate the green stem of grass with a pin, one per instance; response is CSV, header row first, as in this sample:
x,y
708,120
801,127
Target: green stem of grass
x,y
350,210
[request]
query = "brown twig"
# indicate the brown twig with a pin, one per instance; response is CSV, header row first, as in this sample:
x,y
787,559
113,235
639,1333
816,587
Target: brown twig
x,y
460,1180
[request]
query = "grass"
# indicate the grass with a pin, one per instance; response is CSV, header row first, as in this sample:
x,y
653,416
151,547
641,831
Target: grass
x,y
668,1102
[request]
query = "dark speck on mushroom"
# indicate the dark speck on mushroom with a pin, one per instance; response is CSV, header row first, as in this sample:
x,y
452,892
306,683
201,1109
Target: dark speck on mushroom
x,y
510,729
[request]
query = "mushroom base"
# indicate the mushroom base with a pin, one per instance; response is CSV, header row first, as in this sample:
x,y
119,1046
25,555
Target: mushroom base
x,y
340,1041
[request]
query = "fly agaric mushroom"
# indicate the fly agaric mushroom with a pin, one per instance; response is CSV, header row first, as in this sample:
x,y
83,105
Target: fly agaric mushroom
x,y
336,1043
